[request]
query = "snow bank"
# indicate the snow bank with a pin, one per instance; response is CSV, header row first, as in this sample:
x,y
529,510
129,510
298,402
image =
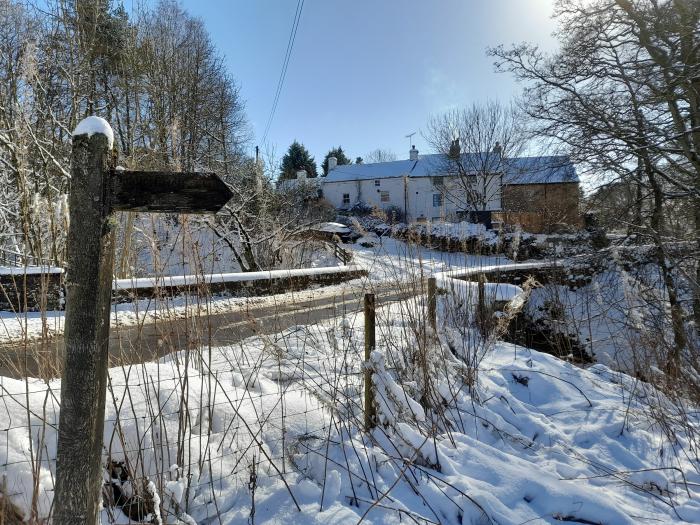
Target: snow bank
x,y
91,125
611,316
460,230
493,292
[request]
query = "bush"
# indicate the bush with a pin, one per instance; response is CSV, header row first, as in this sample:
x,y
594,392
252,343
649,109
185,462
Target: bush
x,y
394,215
360,209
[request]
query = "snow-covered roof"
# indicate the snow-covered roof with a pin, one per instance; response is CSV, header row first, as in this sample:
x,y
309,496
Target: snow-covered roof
x,y
378,170
541,170
520,170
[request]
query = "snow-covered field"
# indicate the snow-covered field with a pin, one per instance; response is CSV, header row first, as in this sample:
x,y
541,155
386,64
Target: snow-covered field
x,y
269,431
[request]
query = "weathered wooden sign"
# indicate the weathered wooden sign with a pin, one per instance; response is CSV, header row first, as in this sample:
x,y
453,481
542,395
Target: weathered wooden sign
x,y
163,191
96,191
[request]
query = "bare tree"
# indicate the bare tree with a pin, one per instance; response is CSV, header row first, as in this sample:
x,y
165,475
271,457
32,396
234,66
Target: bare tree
x,y
479,144
622,96
379,155
263,223
153,73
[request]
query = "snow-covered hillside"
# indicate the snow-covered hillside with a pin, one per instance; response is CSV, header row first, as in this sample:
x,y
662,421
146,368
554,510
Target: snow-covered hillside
x,y
269,431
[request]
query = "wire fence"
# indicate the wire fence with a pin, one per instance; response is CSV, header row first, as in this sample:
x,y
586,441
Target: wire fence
x,y
202,417
210,425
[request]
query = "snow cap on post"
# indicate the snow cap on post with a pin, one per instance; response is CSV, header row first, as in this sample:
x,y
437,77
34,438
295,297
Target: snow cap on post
x,y
91,125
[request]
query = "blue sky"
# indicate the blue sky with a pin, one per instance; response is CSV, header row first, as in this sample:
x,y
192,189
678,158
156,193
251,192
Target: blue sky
x,y
364,73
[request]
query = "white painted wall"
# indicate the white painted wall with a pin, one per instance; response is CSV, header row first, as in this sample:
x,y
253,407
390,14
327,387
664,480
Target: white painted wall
x,y
365,191
417,192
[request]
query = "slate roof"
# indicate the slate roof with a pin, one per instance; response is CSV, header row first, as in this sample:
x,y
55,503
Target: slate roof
x,y
521,170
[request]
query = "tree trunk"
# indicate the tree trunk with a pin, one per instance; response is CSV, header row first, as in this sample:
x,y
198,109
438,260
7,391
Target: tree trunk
x,y
696,288
657,224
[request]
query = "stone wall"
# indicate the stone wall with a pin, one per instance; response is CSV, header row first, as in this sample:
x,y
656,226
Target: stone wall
x,y
538,207
35,291
31,291
574,275
252,288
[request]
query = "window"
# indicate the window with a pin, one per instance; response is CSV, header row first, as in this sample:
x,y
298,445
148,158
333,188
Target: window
x,y
384,196
346,198
377,182
437,200
438,181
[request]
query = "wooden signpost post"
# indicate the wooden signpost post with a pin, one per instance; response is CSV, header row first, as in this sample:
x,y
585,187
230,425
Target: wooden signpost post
x,y
97,190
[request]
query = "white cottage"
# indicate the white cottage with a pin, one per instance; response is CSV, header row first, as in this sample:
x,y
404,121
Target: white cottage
x,y
423,188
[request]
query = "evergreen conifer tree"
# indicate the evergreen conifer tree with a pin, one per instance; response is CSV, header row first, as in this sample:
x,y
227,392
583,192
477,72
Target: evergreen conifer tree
x,y
339,154
297,158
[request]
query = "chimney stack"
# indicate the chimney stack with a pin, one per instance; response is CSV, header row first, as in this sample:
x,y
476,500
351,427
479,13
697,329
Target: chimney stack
x,y
301,174
455,149
332,163
498,149
413,153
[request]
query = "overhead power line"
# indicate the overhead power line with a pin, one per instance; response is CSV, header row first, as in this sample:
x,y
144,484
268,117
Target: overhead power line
x,y
285,65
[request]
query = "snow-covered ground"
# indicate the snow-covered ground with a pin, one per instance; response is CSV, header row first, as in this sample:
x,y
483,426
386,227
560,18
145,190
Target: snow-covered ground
x,y
271,430
611,316
393,259
273,424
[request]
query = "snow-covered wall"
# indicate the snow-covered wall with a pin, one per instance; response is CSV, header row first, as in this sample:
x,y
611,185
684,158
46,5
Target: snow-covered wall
x,y
236,284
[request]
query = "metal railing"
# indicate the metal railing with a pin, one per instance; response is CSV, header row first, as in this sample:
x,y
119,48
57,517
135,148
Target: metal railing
x,y
14,259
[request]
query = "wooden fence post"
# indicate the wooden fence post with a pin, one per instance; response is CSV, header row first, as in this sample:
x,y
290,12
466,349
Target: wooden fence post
x,y
432,302
90,256
370,416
